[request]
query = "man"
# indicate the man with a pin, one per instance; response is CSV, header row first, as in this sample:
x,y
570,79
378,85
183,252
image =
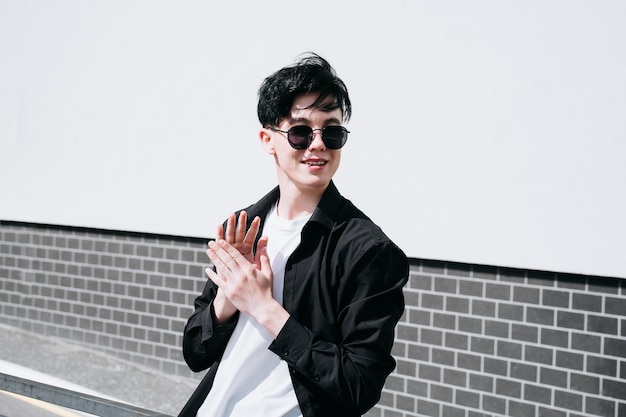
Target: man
x,y
297,320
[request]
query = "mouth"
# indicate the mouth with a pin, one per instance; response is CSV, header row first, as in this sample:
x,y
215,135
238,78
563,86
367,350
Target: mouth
x,y
315,162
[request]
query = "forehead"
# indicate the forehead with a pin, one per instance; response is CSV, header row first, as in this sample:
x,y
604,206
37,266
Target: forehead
x,y
302,107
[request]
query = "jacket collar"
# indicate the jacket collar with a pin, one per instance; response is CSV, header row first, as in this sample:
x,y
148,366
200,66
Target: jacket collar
x,y
325,213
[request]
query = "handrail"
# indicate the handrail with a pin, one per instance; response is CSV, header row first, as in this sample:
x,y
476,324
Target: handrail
x,y
86,403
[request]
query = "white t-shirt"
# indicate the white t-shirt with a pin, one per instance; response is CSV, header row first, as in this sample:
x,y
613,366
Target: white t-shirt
x,y
251,380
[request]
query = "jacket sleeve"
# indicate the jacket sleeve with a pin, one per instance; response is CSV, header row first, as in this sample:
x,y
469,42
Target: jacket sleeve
x,y
351,372
204,341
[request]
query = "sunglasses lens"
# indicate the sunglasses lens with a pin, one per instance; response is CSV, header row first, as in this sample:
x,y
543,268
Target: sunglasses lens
x,y
300,136
334,137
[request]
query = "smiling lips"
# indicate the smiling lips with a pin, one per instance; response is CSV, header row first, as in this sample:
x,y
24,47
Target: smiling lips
x,y
315,162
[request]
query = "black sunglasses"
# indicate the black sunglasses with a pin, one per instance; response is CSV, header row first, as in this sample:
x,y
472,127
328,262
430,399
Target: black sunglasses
x,y
300,137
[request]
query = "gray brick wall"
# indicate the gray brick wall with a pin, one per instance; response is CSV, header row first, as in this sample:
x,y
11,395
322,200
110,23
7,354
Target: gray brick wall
x,y
474,340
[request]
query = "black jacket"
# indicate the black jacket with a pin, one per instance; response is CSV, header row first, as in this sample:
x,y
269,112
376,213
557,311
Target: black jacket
x,y
343,289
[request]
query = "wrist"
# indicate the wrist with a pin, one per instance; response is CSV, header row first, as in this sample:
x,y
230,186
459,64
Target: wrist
x,y
223,309
273,318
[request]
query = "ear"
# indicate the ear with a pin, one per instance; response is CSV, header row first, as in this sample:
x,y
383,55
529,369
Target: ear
x,y
266,141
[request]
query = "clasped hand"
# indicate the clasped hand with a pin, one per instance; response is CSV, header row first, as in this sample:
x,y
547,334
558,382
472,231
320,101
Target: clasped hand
x,y
244,278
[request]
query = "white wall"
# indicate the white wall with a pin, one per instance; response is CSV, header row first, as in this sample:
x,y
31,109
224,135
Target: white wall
x,y
483,131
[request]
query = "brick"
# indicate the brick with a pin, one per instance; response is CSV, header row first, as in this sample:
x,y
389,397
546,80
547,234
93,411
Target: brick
x,y
615,306
537,394
602,324
481,382
585,383
511,312
508,388
470,325
541,278
432,301
429,372
468,361
498,291
420,282
427,408
524,371
431,337
518,409
604,285
457,305
482,345
407,333
494,404
458,269
553,377
550,412
570,401
442,357
419,353
444,321
471,288
540,316
526,295
570,360
587,302
586,342
554,338
467,398
484,272
556,298
411,298
614,389
512,275
525,333
602,366
441,393
571,320
483,308
509,349
599,406
538,355
418,388
405,403
495,366
454,377
496,328
456,341
615,347
450,411
405,368
446,285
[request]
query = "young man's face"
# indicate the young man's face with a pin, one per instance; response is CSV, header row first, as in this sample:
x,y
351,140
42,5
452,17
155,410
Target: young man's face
x,y
311,168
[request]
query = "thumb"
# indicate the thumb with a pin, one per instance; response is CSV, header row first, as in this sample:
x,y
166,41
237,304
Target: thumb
x,y
265,264
261,249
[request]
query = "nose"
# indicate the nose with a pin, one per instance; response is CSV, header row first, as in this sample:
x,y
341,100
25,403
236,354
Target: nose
x,y
316,140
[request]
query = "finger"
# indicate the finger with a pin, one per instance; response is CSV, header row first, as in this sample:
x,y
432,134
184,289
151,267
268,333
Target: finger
x,y
223,261
230,255
261,247
230,228
217,280
266,266
241,227
220,232
248,240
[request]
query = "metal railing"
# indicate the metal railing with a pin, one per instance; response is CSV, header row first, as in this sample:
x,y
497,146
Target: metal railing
x,y
78,401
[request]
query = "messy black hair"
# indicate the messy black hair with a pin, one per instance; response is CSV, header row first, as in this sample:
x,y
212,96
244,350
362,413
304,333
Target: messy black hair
x,y
311,73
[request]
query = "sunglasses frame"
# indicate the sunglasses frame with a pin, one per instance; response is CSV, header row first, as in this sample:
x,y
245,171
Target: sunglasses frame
x,y
311,135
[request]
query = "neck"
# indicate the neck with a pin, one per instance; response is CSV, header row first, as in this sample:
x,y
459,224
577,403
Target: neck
x,y
294,202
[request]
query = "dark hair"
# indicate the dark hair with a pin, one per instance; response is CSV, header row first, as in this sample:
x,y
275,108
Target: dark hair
x,y
311,73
